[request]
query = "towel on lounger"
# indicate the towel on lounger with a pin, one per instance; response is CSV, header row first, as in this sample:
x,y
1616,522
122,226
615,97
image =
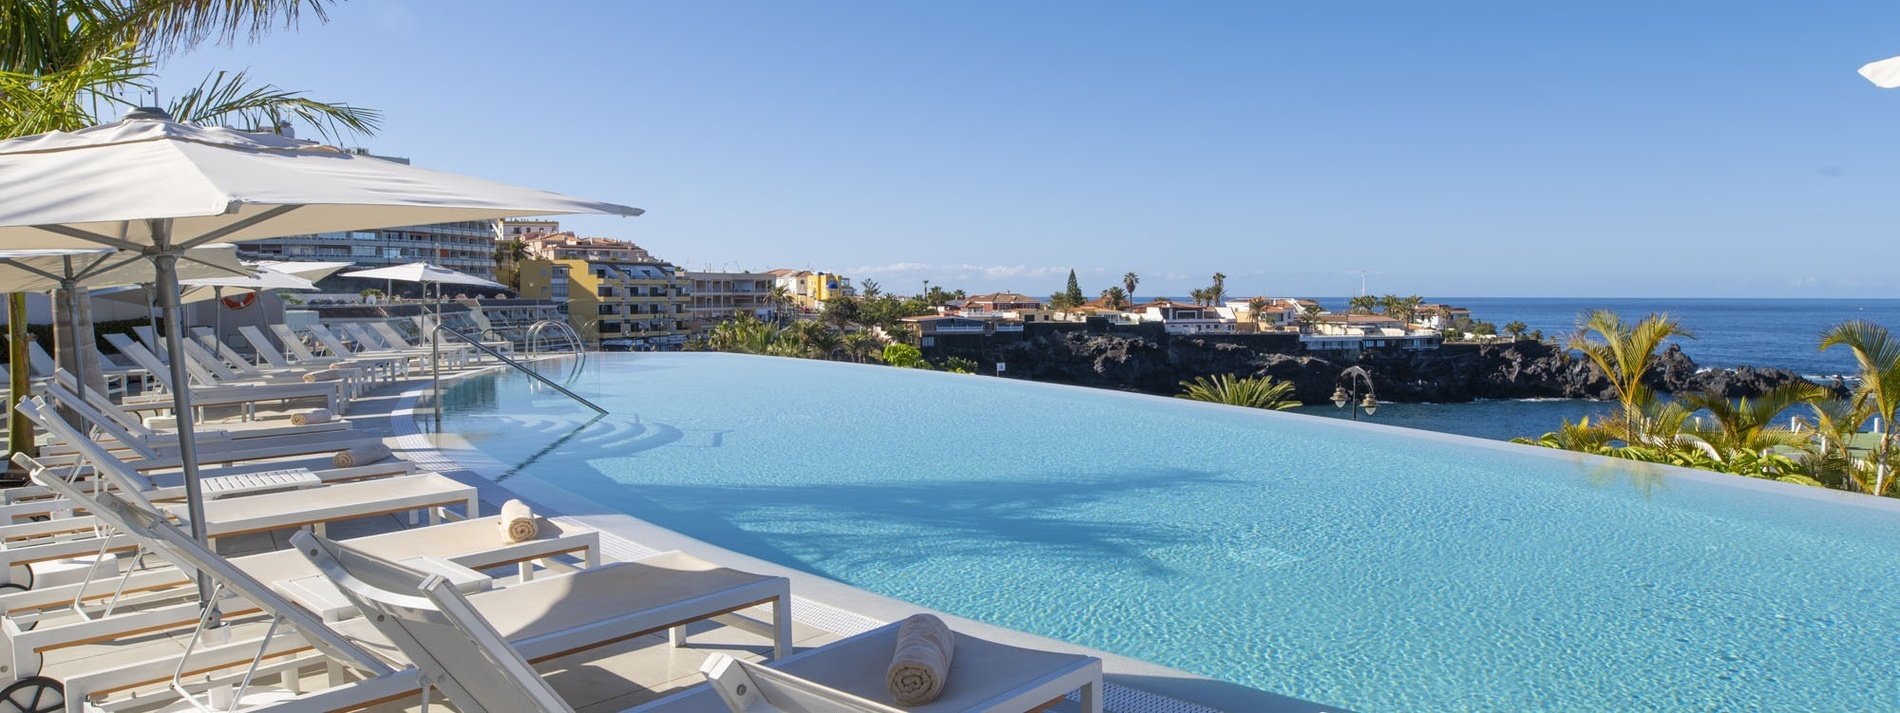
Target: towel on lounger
x,y
325,375
310,416
921,662
361,455
517,521
335,366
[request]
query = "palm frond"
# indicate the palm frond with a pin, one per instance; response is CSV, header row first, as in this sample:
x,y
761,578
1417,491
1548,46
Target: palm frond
x,y
1262,392
231,98
167,26
71,99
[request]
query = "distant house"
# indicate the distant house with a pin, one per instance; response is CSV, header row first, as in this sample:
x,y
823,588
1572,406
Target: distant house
x,y
1433,316
1358,332
995,302
929,327
1186,318
1275,312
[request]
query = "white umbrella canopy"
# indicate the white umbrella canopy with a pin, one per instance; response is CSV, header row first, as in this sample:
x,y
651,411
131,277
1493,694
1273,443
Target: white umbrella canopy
x,y
312,271
425,272
49,270
1884,73
150,184
106,185
45,270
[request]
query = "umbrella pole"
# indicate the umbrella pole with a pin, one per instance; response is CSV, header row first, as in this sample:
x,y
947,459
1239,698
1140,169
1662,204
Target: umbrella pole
x,y
165,262
71,287
435,355
217,318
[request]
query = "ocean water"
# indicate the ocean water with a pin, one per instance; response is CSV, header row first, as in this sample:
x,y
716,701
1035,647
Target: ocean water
x,y
1373,569
1782,333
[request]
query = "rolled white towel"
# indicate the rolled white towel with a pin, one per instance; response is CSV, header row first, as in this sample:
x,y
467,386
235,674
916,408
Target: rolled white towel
x,y
335,366
325,375
361,455
921,664
311,416
517,522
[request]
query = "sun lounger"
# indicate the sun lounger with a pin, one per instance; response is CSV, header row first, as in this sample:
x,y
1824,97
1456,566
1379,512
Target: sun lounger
x,y
548,617
64,538
390,367
148,600
274,356
245,369
107,417
451,354
245,396
465,653
116,377
339,349
211,370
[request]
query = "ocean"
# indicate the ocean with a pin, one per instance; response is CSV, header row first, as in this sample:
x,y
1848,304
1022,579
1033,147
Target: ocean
x,y
1782,333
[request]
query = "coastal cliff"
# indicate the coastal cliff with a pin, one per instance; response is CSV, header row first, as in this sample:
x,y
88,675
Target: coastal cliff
x,y
1454,373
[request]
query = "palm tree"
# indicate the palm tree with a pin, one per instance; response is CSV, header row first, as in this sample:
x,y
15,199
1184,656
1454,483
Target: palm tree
x,y
1261,392
1199,295
1309,314
862,345
1115,298
1747,425
64,61
825,342
1516,329
1217,292
1877,395
1363,304
1624,352
1129,281
780,299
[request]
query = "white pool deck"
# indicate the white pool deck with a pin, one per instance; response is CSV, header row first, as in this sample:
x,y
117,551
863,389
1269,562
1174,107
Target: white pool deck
x,y
647,668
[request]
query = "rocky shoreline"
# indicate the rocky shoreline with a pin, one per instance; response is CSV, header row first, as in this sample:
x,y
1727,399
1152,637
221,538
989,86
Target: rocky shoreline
x,y
1454,373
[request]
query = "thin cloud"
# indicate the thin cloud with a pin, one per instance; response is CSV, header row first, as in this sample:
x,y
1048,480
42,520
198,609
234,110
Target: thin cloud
x,y
965,271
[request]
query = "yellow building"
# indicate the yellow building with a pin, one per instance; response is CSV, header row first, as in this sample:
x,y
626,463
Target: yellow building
x,y
635,305
809,289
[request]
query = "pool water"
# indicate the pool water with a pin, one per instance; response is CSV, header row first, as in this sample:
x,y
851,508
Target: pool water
x,y
1370,568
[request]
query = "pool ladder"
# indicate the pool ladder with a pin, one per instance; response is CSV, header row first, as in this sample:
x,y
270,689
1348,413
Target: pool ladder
x,y
435,362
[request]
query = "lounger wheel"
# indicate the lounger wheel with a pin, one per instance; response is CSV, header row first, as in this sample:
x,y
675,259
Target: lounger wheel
x,y
33,694
21,576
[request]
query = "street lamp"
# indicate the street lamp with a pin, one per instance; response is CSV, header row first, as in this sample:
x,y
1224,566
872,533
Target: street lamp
x,y
1341,398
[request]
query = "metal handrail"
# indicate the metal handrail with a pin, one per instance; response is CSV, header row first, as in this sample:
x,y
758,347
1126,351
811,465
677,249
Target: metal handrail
x,y
435,359
566,331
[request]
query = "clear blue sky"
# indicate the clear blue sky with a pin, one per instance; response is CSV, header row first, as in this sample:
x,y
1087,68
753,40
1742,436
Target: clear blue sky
x,y
1477,148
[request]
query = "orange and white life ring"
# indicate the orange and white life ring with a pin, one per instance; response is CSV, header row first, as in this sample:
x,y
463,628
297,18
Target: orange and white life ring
x,y
240,301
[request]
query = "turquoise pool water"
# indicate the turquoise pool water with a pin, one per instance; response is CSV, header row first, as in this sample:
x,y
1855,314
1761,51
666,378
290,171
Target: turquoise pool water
x,y
1368,568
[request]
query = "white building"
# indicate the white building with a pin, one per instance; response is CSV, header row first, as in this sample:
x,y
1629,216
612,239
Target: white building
x,y
1184,318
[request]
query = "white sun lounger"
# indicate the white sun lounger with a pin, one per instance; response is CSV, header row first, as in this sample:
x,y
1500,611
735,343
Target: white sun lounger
x,y
274,356
107,418
211,370
547,617
246,396
64,538
471,544
116,377
341,350
464,653
243,369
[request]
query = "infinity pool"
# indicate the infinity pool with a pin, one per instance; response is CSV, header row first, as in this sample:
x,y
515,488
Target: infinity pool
x,y
1368,568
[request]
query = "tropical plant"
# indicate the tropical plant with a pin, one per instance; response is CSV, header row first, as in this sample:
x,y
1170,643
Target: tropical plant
x,y
842,311
742,333
1262,392
904,356
1877,393
1309,314
1199,295
1363,304
508,256
64,63
871,289
863,346
1624,352
959,365
780,299
1516,329
824,342
1217,292
1115,298
1129,281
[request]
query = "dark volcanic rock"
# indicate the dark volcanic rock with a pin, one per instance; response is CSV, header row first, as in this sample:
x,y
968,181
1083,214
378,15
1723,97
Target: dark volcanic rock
x,y
1458,372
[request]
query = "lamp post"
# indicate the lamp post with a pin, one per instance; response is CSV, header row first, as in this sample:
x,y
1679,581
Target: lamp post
x,y
1351,400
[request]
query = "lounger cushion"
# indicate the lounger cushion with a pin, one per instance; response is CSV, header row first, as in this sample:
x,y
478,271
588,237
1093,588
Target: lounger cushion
x,y
555,606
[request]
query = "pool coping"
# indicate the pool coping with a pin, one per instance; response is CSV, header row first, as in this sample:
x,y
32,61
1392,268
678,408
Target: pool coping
x,y
1130,685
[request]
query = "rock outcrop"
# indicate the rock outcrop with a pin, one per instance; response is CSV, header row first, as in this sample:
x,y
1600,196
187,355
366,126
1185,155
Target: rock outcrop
x,y
1454,373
